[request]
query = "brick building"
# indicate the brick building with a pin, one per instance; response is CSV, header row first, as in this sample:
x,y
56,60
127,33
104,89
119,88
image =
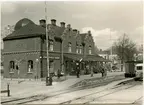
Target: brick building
x,y
25,50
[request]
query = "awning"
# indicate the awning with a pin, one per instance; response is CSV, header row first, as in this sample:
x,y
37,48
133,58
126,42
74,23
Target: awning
x,y
95,58
73,56
86,58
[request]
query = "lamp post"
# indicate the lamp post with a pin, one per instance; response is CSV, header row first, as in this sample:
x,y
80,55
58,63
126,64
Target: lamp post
x,y
111,49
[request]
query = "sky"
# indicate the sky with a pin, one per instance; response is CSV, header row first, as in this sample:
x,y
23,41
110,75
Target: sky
x,y
105,19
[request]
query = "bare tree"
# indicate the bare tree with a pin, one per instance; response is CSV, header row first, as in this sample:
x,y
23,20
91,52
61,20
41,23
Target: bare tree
x,y
125,49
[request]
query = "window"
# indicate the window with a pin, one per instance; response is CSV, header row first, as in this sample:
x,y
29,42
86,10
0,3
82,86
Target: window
x,y
51,46
80,49
30,65
139,67
77,49
90,52
12,66
69,47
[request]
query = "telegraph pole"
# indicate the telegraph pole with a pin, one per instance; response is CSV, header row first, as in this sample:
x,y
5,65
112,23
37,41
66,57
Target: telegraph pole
x,y
62,59
111,49
48,77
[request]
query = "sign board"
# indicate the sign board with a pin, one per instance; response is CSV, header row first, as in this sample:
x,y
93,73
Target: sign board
x,y
52,57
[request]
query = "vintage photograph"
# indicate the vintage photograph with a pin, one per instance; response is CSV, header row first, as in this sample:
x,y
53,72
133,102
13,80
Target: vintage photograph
x,y
72,52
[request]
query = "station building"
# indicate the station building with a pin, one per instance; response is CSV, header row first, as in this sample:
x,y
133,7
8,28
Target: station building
x,y
25,53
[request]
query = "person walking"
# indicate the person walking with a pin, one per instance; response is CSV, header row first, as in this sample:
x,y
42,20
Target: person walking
x,y
105,71
91,71
102,71
58,73
77,70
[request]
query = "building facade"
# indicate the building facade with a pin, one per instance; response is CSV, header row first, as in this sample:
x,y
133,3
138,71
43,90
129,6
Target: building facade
x,y
25,51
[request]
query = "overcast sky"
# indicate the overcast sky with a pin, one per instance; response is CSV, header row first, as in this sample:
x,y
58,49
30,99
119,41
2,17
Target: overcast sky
x,y
102,18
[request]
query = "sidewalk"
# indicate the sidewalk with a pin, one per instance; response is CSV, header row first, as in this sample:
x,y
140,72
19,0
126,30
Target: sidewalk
x,y
28,88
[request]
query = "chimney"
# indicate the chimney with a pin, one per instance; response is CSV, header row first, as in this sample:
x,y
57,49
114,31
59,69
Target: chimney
x,y
42,22
89,32
62,24
53,22
69,27
78,32
75,31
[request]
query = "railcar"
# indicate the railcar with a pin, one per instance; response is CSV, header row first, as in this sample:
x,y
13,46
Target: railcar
x,y
130,68
139,71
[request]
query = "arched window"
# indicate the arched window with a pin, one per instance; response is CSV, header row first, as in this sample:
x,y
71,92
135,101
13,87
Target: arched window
x,y
30,66
12,66
69,47
90,52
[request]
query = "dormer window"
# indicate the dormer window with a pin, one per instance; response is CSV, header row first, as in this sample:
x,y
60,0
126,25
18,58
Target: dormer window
x,y
90,50
69,47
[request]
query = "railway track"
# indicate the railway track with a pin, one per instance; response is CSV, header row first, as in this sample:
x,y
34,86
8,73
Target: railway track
x,y
56,93
96,95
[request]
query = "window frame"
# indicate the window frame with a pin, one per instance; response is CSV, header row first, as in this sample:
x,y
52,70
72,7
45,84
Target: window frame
x,y
90,50
77,48
30,69
80,49
51,45
11,66
69,47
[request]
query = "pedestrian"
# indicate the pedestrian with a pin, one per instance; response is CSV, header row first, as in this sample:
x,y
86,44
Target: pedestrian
x,y
102,71
91,71
58,73
105,71
77,70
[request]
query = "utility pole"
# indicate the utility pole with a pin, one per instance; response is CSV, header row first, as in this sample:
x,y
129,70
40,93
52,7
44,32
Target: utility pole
x,y
48,77
111,49
62,59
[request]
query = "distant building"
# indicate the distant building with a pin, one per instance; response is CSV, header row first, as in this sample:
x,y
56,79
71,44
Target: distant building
x,y
107,55
25,50
104,54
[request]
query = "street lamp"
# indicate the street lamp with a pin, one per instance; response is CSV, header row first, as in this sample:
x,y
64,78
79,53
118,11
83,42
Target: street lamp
x,y
111,49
